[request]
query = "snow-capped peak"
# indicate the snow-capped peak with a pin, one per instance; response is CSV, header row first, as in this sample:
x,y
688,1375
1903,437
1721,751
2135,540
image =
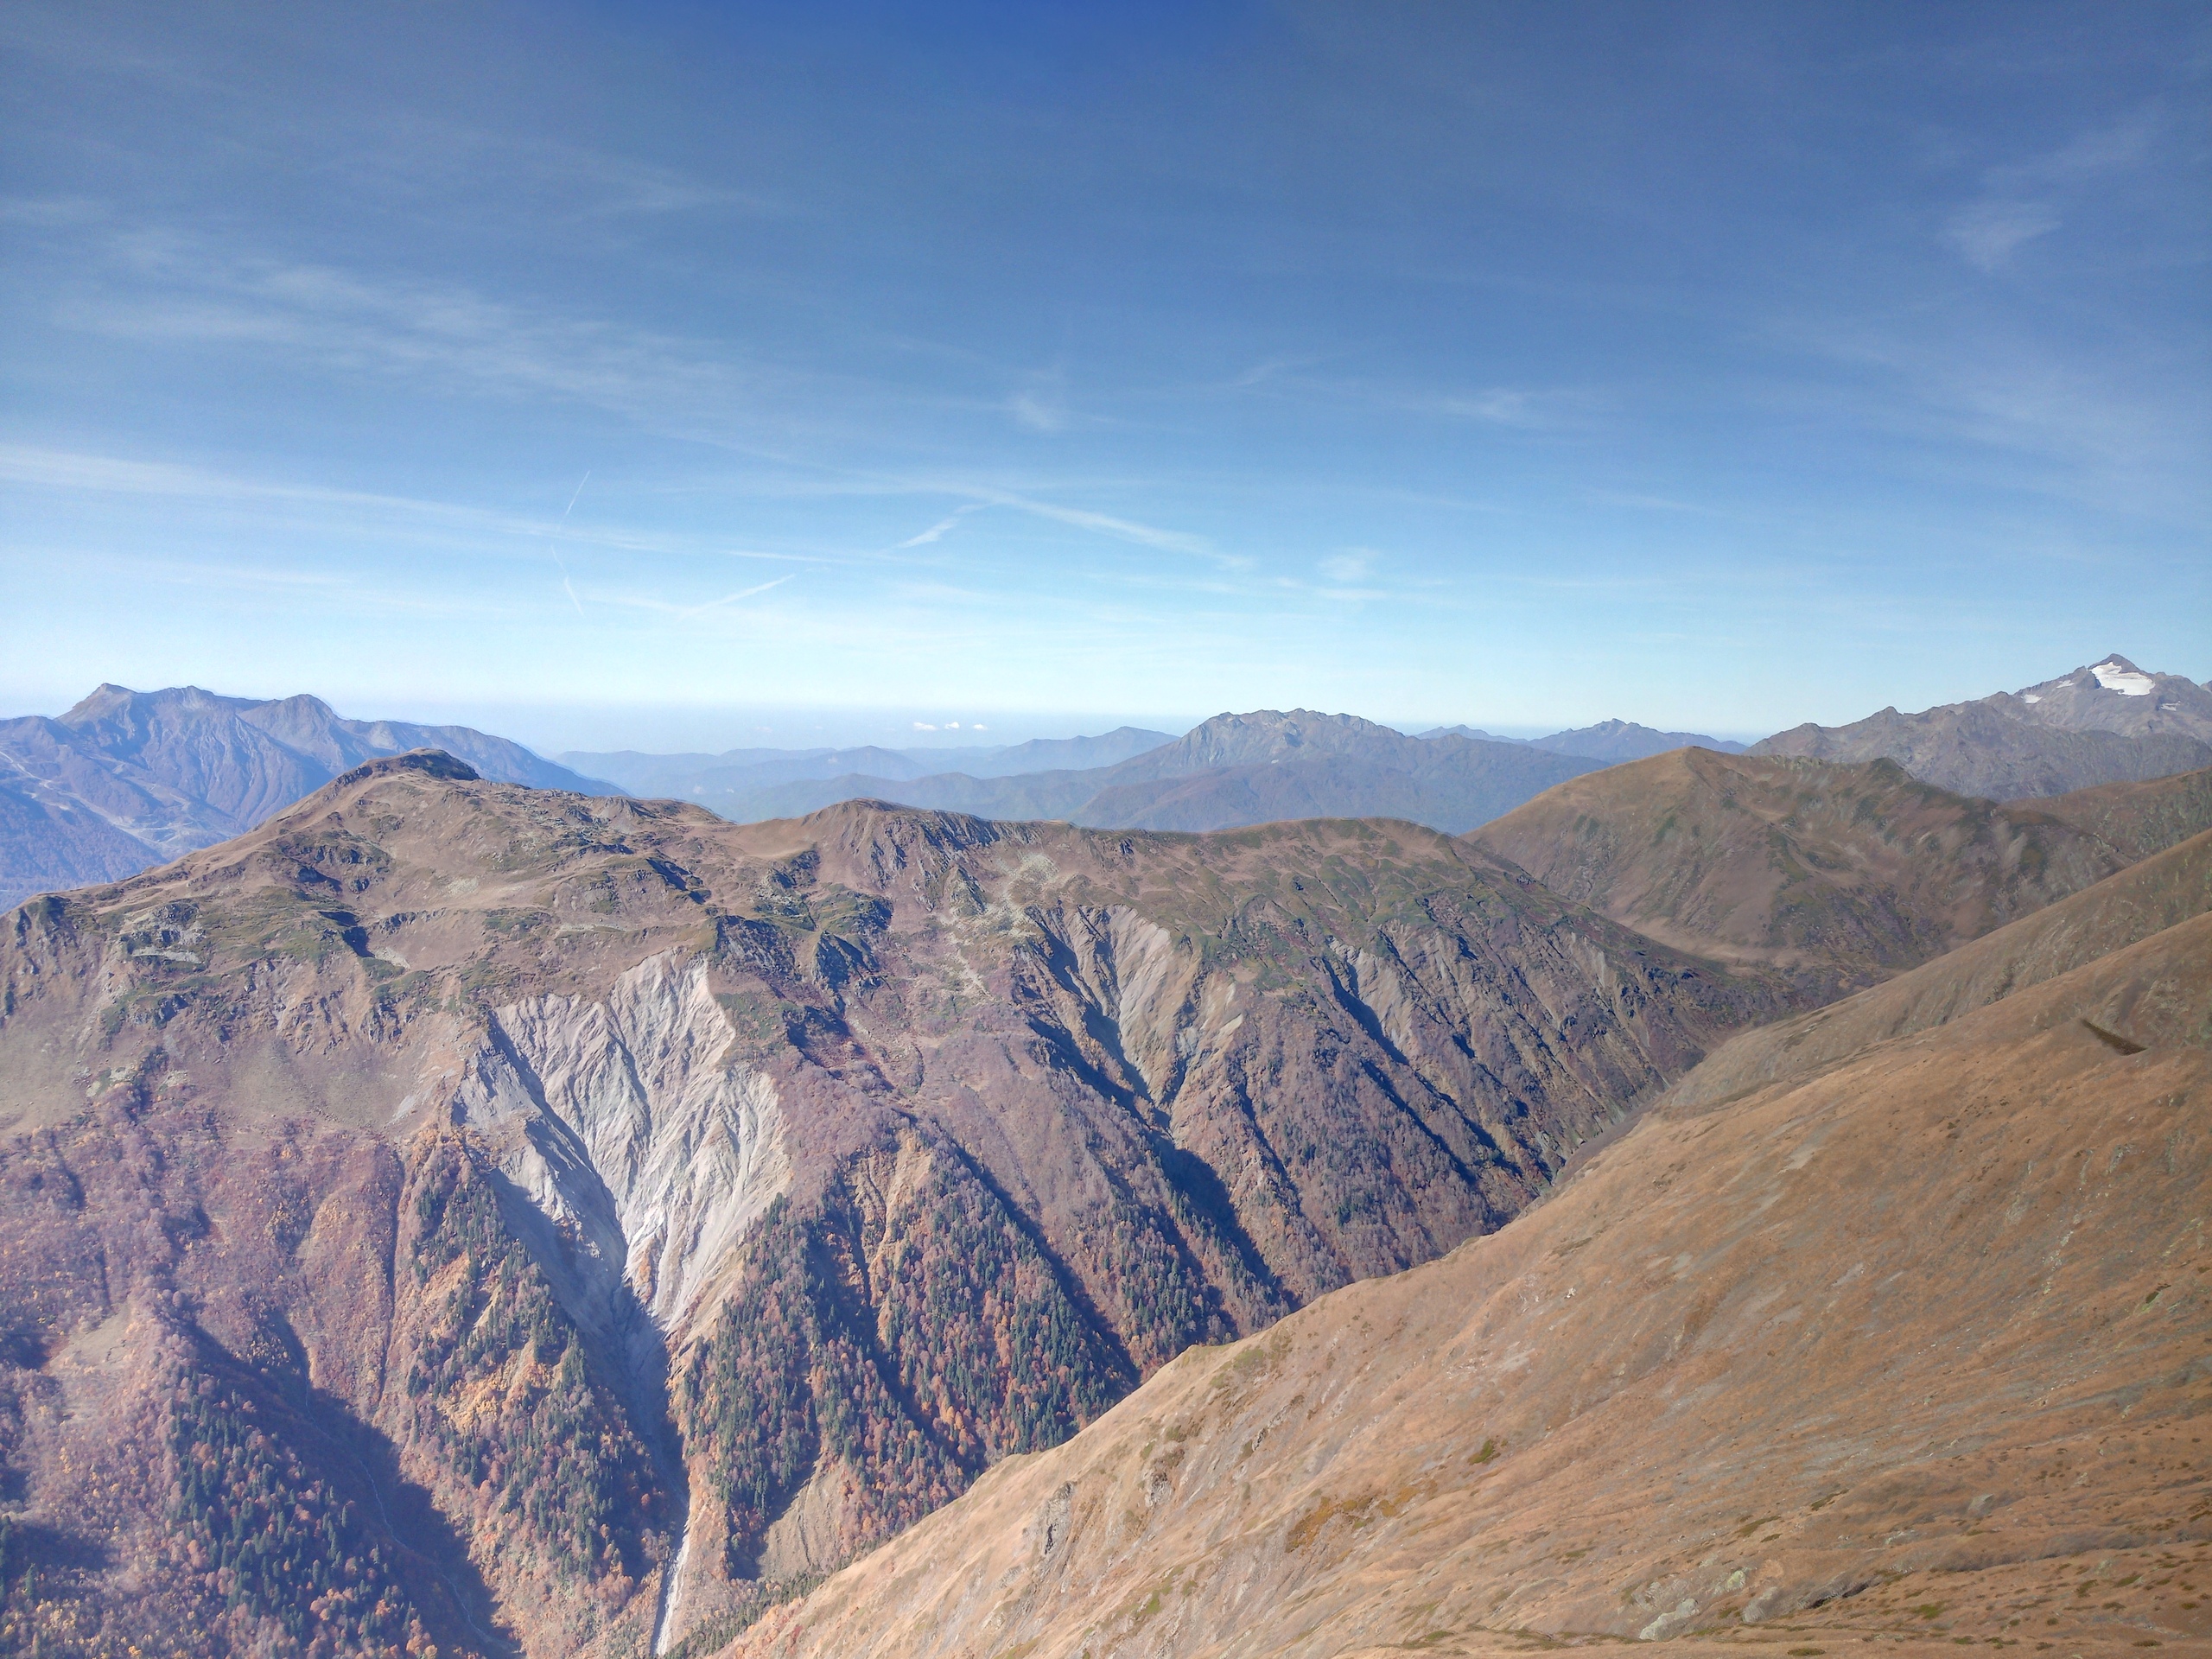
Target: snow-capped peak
x,y
2116,675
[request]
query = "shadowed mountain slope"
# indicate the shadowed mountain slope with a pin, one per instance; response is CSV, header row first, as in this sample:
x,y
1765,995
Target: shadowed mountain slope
x,y
126,779
1912,1353
2108,723
618,1208
1837,874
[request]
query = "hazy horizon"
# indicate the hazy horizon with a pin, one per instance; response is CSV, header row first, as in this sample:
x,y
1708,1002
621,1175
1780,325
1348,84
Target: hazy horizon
x,y
1717,367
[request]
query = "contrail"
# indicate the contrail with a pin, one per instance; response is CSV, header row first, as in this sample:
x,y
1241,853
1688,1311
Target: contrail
x,y
553,549
746,592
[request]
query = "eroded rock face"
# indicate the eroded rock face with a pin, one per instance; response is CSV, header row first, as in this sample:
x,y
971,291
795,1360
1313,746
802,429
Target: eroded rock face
x,y
639,1132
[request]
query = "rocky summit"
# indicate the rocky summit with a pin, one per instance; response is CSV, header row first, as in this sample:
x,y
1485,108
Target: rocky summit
x,y
126,779
2106,722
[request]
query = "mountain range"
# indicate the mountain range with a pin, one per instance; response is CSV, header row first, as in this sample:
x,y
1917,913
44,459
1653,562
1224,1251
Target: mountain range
x,y
795,1171
1230,770
1726,1196
126,779
2109,722
738,772
1610,741
1337,766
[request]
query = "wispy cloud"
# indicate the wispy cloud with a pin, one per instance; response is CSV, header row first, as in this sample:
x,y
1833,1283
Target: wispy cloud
x,y
1127,529
486,531
2020,202
187,291
1527,409
938,530
1038,413
1988,233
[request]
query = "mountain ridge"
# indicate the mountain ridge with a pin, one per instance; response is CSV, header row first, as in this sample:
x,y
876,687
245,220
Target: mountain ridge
x,y
2105,722
808,1169
1838,873
1229,771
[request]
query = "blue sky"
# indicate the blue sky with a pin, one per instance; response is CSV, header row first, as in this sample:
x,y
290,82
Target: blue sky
x,y
725,374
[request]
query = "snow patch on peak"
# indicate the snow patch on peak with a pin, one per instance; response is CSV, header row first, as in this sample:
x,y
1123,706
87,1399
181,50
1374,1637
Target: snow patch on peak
x,y
2029,696
2116,676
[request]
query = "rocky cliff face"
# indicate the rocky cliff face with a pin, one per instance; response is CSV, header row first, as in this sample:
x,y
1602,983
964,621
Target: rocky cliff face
x,y
576,1214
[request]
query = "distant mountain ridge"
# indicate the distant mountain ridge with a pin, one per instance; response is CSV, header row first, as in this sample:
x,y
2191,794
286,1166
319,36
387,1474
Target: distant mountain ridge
x,y
2109,722
1611,740
696,777
126,779
1616,741
1227,773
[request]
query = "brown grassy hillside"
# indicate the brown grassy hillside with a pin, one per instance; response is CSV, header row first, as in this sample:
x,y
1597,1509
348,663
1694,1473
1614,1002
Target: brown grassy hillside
x,y
1838,875
2160,893
2137,820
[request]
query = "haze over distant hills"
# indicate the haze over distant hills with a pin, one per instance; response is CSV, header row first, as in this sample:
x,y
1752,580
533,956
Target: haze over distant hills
x,y
2106,723
1230,770
739,773
127,779
1610,741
